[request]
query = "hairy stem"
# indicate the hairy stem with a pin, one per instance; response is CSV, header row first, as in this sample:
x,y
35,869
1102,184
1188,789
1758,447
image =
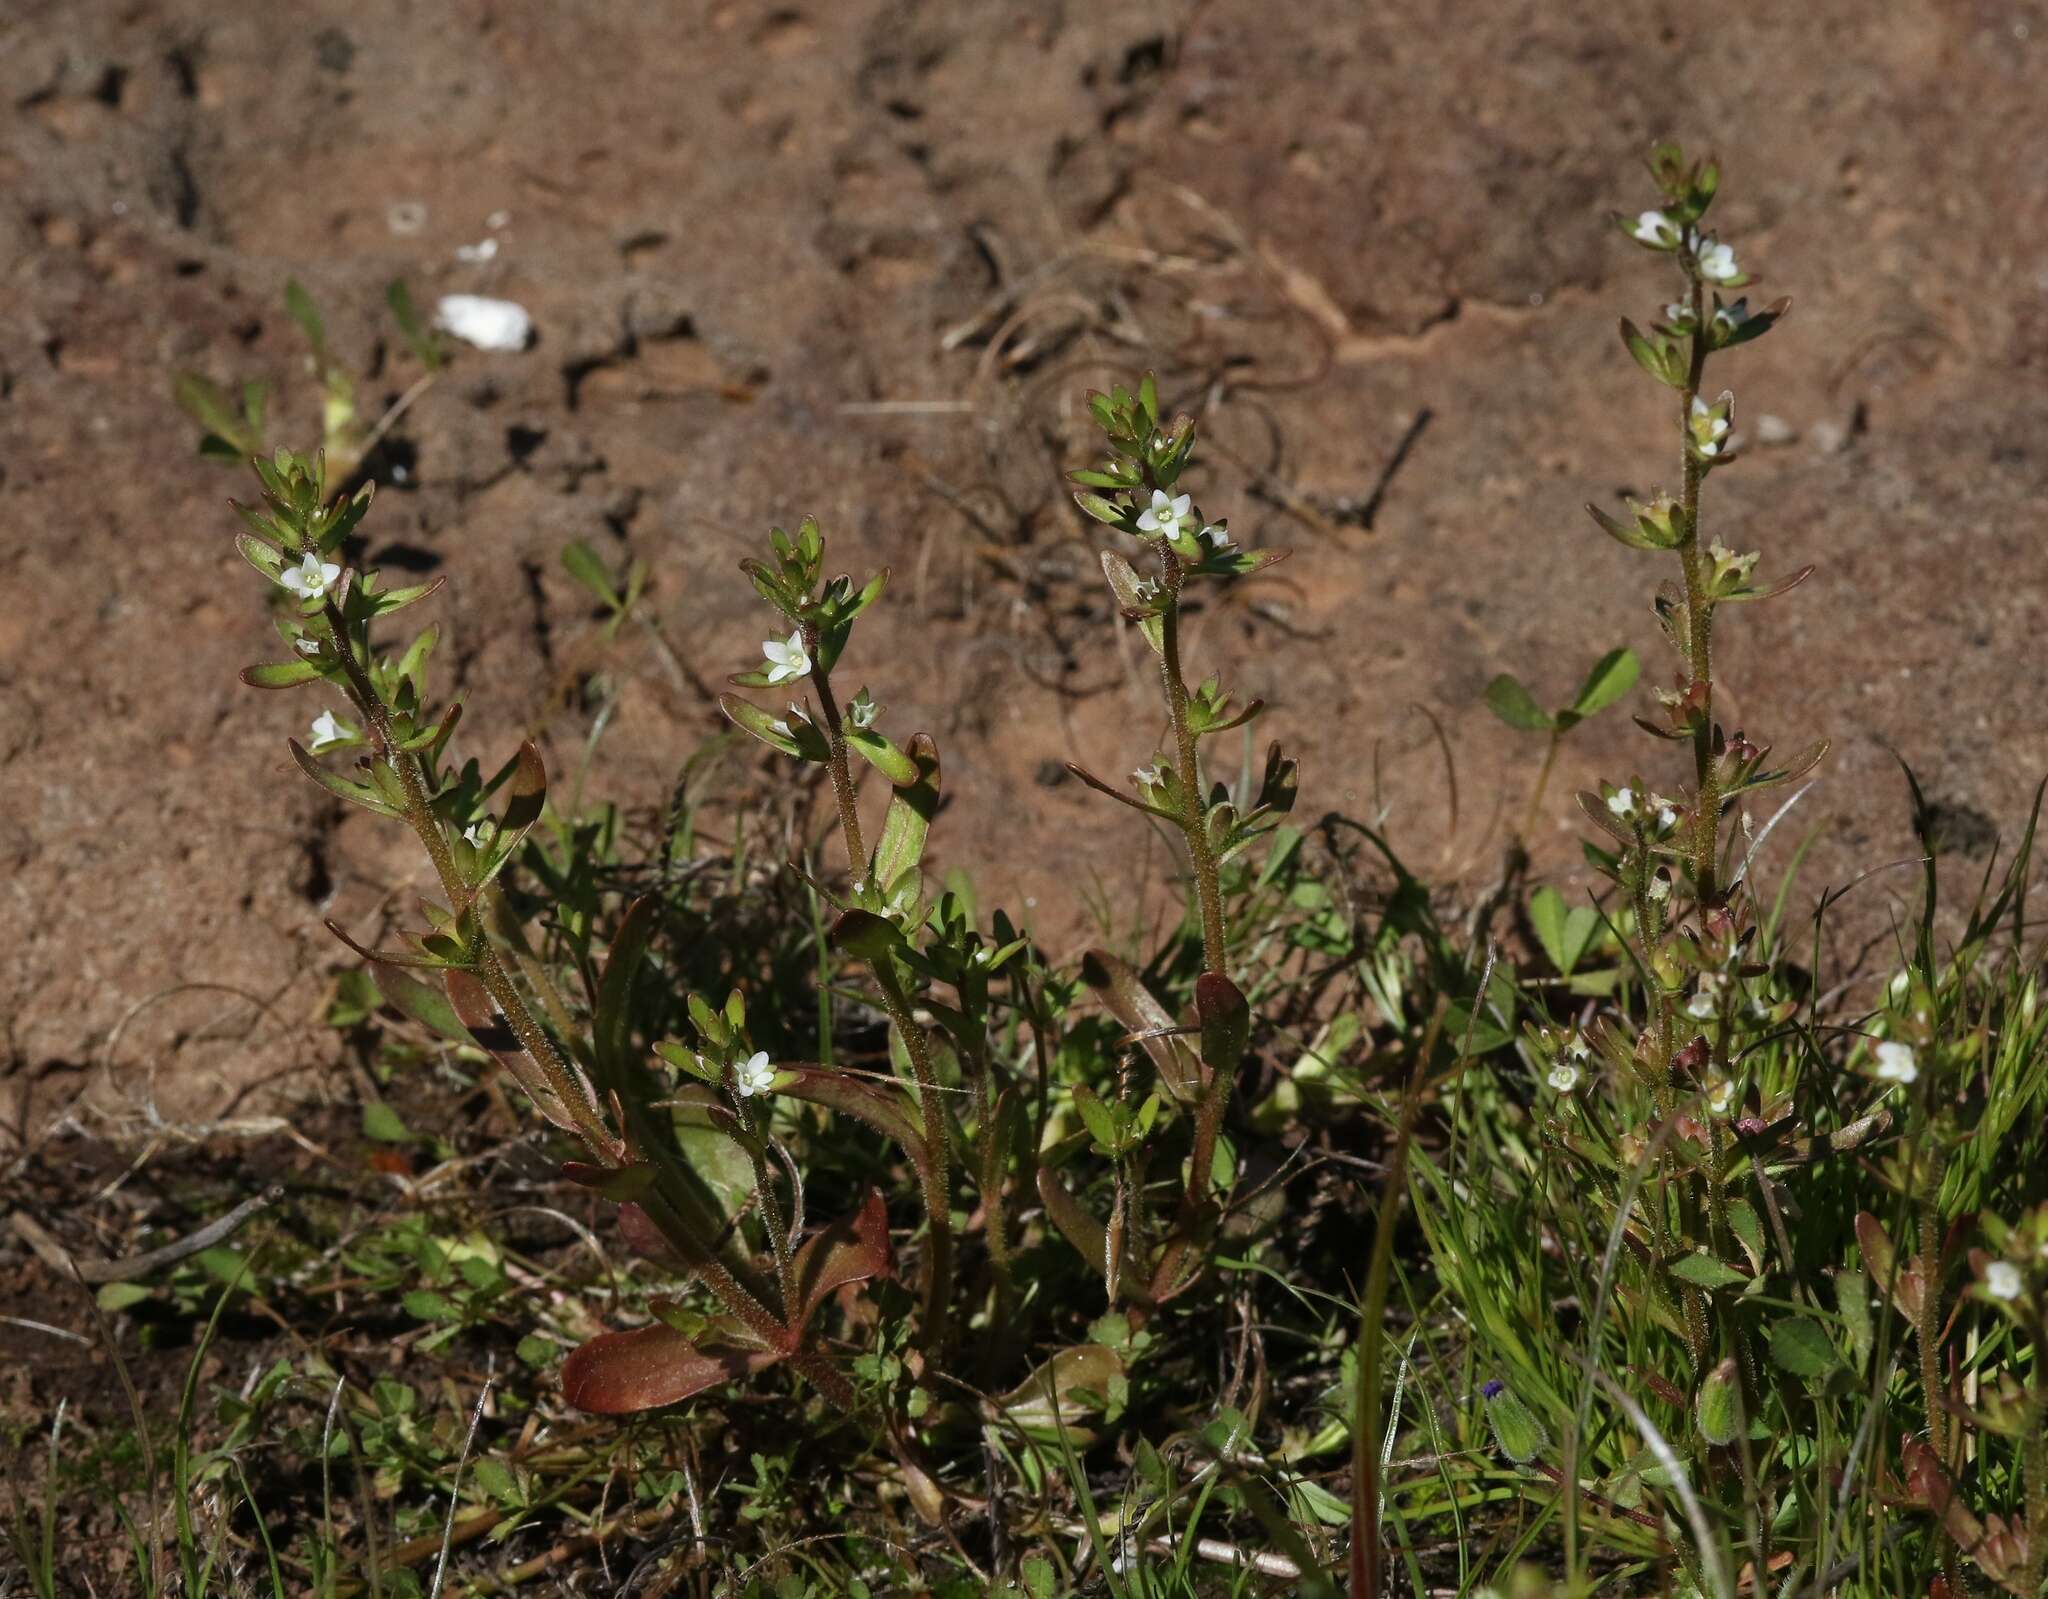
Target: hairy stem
x,y
1699,615
934,1174
1193,825
842,774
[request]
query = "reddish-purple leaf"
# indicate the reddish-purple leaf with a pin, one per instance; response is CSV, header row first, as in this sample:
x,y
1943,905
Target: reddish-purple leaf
x,y
618,1373
1124,995
851,1250
1226,1021
883,1106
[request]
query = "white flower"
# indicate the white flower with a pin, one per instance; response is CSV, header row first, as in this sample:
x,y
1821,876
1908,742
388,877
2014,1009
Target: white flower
x,y
1717,264
1675,312
1703,412
308,646
1161,440
2002,1280
1578,1049
863,711
1622,802
1652,227
1701,1006
788,660
1666,816
311,578
1163,516
1895,1062
326,731
1219,539
754,1075
473,835
780,726
1659,888
1146,775
1564,1077
983,954
1720,1096
1148,589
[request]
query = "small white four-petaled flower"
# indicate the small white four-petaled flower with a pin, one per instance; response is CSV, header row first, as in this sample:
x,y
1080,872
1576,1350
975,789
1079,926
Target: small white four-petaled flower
x,y
1701,1006
311,578
1163,515
1896,1062
788,660
1564,1077
308,646
1146,775
1717,264
327,730
2002,1280
1659,888
473,835
1622,802
1654,227
1218,539
753,1075
863,711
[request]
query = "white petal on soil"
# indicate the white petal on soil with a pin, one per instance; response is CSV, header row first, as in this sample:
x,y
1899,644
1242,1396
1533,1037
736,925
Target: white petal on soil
x,y
488,324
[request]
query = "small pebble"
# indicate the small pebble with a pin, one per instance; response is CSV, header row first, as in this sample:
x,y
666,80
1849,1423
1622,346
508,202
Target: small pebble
x,y
482,250
406,217
1774,430
1830,438
486,323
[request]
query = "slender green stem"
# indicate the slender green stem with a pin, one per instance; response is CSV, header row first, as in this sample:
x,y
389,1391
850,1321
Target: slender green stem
x,y
1542,783
935,1174
1193,824
842,773
1699,612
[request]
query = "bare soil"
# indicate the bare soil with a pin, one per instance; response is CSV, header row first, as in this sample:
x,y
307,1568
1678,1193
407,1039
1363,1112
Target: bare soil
x,y
861,259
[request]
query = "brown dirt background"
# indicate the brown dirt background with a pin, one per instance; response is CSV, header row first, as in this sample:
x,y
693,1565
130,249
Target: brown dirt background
x,y
749,233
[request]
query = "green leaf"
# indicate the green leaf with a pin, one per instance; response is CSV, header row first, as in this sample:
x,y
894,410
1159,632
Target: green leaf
x,y
586,568
885,757
1657,357
495,1478
1613,675
382,1123
1099,1119
1102,510
1516,706
1565,934
1704,1271
119,1296
355,793
423,1304
1516,1430
909,817
425,343
280,674
1801,1346
1719,1410
299,306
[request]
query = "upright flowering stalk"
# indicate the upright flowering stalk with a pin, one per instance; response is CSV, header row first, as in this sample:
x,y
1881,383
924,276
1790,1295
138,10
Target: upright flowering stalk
x,y
1136,490
1693,930
492,992
884,919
